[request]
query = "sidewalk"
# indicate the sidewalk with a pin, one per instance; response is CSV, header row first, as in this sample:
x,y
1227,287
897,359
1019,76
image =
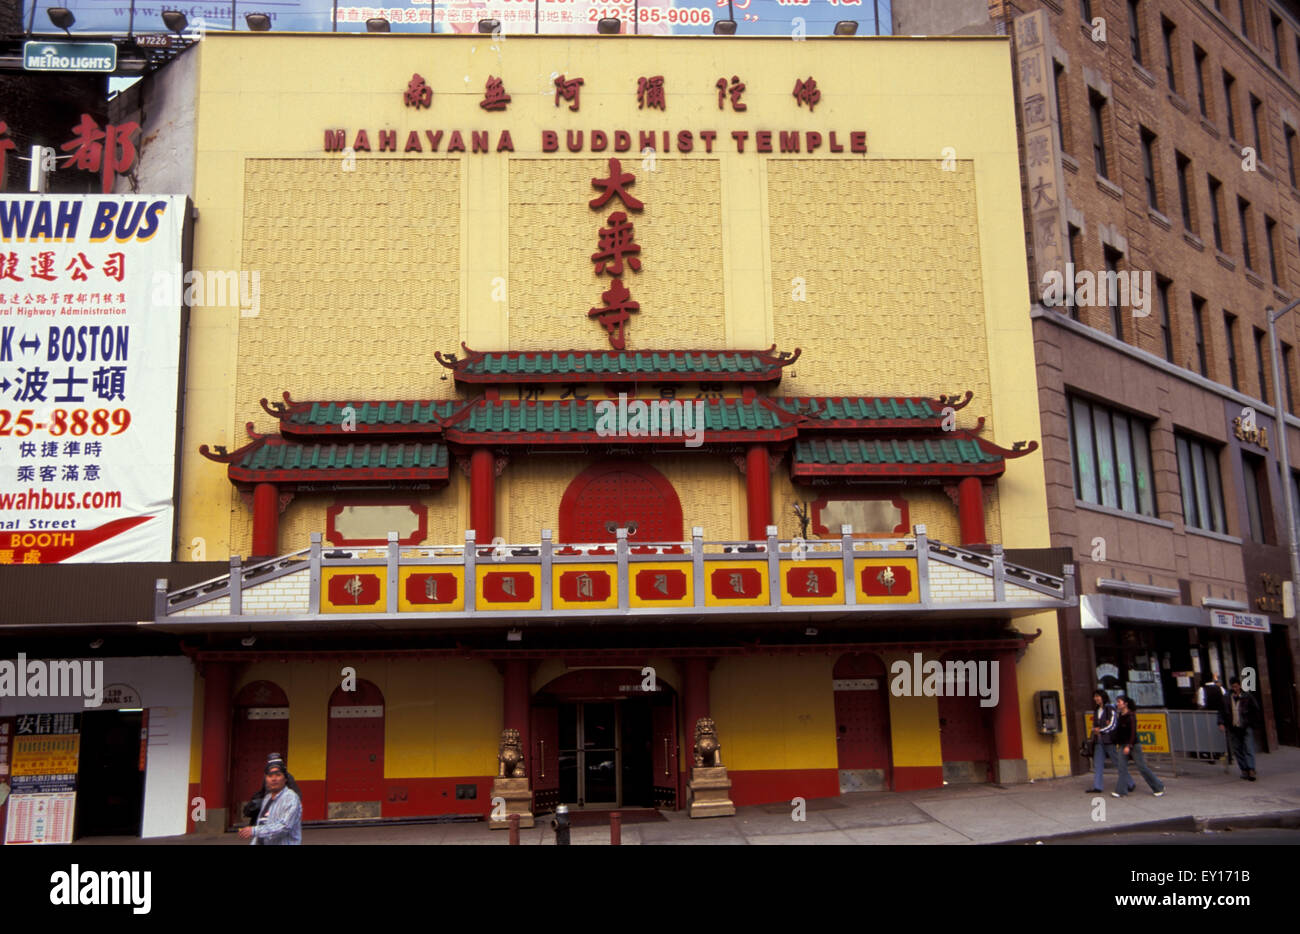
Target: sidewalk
x,y
957,814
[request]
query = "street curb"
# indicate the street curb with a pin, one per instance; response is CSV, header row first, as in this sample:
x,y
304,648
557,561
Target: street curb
x,y
1189,824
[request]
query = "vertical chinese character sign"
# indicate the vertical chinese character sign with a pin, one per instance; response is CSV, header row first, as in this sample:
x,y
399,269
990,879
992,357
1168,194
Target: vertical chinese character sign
x,y
1042,157
91,290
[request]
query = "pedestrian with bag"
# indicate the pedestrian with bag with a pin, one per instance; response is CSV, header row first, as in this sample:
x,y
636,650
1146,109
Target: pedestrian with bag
x,y
1129,744
1104,721
1238,715
280,821
253,807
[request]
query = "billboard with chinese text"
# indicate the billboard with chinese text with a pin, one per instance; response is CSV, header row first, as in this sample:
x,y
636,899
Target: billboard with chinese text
x,y
552,17
89,364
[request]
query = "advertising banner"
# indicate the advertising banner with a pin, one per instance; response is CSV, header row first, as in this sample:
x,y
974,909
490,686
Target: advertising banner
x,y
550,17
89,368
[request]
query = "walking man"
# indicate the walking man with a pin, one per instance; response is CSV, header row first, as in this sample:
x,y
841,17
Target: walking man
x,y
280,821
1238,715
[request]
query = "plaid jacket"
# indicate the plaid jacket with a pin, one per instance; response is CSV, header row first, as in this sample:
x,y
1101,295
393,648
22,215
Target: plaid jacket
x,y
280,821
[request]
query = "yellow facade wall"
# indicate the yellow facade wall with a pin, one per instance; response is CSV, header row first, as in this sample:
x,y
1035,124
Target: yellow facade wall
x,y
442,717
915,277
775,712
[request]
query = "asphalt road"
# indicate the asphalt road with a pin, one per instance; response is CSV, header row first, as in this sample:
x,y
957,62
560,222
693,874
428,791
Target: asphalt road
x,y
1265,836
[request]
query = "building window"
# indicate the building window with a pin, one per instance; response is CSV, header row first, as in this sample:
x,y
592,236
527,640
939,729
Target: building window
x,y
1290,154
1198,321
1277,41
1216,220
1270,236
1230,329
1243,216
1185,189
1085,10
1169,31
1198,57
1286,377
1112,458
1149,167
1245,18
1097,103
1166,329
1229,89
1135,30
1260,350
1200,484
1256,105
1111,258
1062,106
1258,506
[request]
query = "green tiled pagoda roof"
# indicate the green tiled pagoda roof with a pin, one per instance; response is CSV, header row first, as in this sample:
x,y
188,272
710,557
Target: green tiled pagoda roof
x,y
563,420
867,456
274,459
391,417
570,366
858,409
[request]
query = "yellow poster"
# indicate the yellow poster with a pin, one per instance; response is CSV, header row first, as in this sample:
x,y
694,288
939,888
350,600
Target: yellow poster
x,y
1153,731
46,755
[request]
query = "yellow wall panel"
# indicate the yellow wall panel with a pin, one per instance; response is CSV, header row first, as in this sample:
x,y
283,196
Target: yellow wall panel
x,y
775,712
553,233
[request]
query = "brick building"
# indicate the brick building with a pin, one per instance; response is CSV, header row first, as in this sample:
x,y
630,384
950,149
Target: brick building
x,y
1159,152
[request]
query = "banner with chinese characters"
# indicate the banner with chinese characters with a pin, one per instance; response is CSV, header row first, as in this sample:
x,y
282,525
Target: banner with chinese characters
x,y
45,759
89,362
551,17
1035,79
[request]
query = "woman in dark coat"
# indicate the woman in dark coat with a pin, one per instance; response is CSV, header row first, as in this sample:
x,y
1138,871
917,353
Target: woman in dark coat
x,y
1126,742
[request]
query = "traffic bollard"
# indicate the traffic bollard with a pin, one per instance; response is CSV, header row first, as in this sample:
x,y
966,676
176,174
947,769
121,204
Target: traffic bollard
x,y
514,829
615,829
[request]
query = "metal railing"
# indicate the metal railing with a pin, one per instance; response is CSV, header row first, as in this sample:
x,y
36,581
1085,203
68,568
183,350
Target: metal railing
x,y
623,556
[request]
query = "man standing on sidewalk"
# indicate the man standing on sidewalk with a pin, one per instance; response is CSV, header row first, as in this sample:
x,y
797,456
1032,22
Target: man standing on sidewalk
x,y
1238,715
1211,697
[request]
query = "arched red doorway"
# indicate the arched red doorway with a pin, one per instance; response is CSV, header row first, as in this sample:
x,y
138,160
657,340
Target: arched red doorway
x,y
261,727
618,493
600,740
354,753
965,727
862,724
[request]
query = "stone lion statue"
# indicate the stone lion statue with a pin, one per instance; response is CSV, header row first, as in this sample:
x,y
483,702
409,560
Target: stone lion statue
x,y
707,746
510,755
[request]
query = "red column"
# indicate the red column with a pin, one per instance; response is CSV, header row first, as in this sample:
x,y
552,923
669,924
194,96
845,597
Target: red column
x,y
1006,716
266,520
758,490
970,510
482,494
214,775
516,705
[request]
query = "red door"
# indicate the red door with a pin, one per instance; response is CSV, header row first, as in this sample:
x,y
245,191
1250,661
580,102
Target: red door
x,y
862,724
663,751
261,727
620,493
354,756
544,757
965,736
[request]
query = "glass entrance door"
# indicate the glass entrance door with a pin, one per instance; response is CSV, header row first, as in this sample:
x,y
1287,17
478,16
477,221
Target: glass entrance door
x,y
590,754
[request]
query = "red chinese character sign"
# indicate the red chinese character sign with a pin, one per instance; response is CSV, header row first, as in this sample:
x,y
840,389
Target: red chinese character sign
x,y
108,151
89,367
616,251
